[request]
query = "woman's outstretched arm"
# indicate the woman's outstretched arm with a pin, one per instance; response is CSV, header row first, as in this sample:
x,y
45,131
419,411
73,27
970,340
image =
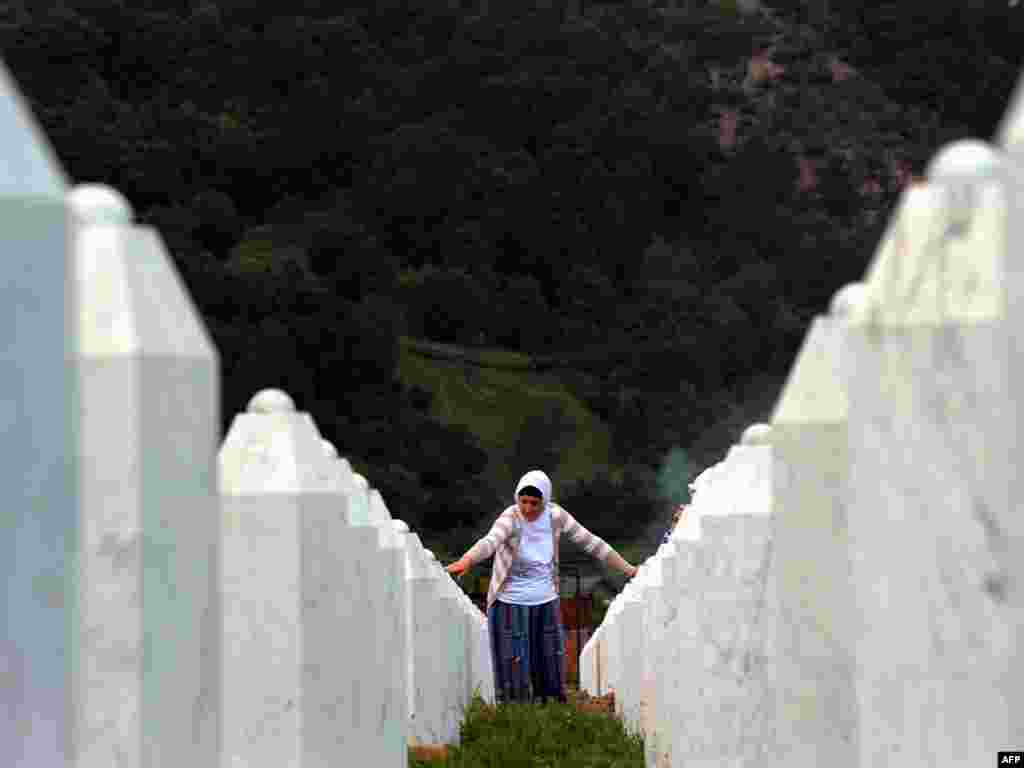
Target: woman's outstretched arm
x,y
595,546
486,546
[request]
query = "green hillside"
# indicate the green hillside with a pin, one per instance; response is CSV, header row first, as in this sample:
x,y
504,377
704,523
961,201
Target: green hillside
x,y
518,414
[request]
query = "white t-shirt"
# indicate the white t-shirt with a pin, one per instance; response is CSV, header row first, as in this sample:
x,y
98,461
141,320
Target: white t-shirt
x,y
530,580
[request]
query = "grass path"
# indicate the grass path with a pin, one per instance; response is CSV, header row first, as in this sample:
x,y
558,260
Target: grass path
x,y
574,735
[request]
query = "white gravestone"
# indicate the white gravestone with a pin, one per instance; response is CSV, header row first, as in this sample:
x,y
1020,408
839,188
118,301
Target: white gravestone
x,y
1011,294
931,418
630,624
469,617
402,532
148,592
371,529
661,607
736,615
614,647
475,674
718,693
607,672
429,669
817,711
653,597
290,594
586,664
680,720
486,661
452,659
681,648
39,409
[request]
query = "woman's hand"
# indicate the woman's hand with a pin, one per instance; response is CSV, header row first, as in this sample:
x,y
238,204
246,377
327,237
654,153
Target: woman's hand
x,y
630,571
459,567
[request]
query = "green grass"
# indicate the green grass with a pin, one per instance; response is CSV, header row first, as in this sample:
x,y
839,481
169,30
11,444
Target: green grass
x,y
539,736
495,403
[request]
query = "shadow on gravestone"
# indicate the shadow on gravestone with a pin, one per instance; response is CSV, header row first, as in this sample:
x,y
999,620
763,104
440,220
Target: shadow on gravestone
x,y
39,407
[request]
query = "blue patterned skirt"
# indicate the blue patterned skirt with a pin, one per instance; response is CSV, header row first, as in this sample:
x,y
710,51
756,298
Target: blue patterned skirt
x,y
528,650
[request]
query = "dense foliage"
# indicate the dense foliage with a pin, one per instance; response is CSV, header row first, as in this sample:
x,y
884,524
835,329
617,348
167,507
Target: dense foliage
x,y
659,196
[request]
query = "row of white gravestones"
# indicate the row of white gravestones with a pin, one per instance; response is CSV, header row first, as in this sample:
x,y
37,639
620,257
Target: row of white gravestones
x,y
170,602
847,588
343,636
686,645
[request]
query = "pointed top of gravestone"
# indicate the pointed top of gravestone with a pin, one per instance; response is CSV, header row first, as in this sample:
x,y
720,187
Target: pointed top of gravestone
x,y
967,160
131,300
28,164
343,473
309,417
814,392
417,564
380,517
747,490
272,452
271,401
756,434
940,258
379,512
1010,134
97,205
963,167
400,526
849,299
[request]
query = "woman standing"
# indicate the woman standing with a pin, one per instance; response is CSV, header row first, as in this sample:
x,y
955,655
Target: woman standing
x,y
523,609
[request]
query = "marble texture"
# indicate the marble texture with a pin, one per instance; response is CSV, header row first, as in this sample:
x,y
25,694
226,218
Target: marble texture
x,y
452,659
660,613
929,372
689,638
1011,347
486,663
680,651
937,260
817,706
714,637
631,628
39,408
427,725
731,685
654,601
402,536
293,584
591,678
371,530
149,655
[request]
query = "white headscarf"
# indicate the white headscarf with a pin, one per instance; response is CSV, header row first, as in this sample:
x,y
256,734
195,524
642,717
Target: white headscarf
x,y
538,480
